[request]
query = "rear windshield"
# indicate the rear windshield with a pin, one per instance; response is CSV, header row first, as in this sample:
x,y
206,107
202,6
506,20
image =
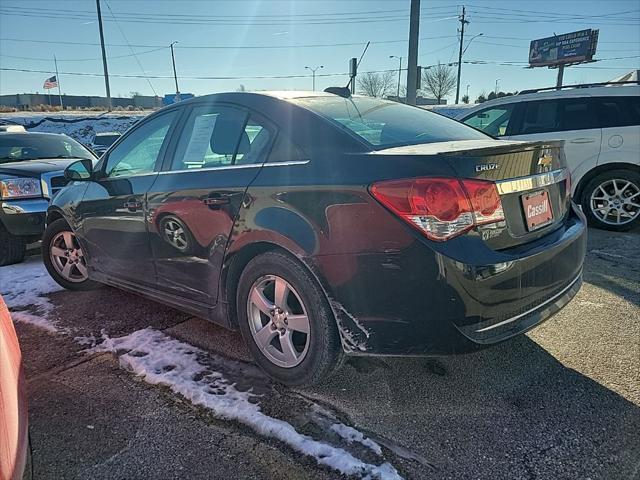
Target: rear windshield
x,y
32,146
386,124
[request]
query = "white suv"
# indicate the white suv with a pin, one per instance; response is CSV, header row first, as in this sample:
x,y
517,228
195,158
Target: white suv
x,y
601,129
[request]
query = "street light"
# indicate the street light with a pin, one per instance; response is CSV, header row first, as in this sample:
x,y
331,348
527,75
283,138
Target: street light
x,y
460,62
313,71
471,40
399,73
175,75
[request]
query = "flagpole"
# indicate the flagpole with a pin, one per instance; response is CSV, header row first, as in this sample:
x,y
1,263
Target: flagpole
x,y
58,81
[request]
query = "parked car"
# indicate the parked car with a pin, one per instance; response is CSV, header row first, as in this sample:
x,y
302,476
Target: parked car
x,y
102,141
15,455
31,172
321,224
601,129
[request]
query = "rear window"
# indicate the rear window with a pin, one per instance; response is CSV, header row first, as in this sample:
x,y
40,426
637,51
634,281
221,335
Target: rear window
x,y
385,124
105,140
618,111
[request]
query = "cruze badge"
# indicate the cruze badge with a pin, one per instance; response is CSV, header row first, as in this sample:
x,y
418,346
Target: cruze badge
x,y
485,167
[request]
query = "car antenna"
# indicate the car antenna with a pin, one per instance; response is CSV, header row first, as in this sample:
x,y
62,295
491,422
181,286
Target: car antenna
x,y
345,92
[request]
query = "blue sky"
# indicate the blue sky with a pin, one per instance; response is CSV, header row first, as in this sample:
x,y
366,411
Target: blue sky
x,y
32,31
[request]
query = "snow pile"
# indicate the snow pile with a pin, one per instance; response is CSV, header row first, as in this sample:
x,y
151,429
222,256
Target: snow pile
x,y
351,435
24,285
162,360
80,127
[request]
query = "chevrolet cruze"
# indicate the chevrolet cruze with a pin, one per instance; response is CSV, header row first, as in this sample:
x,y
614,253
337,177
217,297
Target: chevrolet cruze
x,y
323,224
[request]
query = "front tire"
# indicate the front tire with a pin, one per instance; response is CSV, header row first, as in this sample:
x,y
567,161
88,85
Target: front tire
x,y
12,248
286,321
64,259
611,200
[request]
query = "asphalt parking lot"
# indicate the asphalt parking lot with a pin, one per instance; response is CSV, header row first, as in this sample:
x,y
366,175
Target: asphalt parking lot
x,y
561,402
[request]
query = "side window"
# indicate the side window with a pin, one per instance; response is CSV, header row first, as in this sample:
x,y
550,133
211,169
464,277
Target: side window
x,y
219,136
493,121
284,150
617,111
139,151
577,114
540,117
259,138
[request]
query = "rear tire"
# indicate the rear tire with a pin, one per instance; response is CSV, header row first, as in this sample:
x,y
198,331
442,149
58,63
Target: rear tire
x,y
316,354
59,235
611,200
12,248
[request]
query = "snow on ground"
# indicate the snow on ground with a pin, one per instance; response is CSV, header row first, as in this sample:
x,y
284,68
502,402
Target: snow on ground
x,y
162,360
25,285
81,127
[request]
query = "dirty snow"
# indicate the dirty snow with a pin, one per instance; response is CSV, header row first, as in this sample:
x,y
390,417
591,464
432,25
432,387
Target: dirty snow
x,y
24,285
80,126
162,360
351,435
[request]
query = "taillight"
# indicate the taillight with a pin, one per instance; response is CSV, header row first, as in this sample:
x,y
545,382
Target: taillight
x,y
441,208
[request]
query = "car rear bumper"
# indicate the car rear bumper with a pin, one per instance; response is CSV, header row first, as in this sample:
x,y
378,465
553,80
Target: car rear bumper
x,y
24,217
423,302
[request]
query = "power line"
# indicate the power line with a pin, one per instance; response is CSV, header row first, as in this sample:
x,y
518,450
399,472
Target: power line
x,y
224,47
81,59
131,49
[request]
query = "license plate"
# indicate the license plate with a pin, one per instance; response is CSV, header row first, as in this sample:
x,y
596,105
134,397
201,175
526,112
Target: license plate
x,y
537,209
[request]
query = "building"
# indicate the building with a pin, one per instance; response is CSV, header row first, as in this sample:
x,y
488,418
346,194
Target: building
x,y
26,101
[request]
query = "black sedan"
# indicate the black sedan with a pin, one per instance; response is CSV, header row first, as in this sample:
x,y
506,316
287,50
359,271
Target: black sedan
x,y
321,224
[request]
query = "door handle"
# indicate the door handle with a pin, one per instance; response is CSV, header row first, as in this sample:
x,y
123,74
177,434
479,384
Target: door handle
x,y
132,205
583,140
216,201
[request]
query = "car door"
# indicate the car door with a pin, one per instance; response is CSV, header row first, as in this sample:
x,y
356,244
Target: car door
x,y
194,202
619,117
113,210
570,119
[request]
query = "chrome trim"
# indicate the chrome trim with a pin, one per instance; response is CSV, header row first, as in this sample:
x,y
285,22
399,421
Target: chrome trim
x,y
537,307
237,167
18,206
45,180
529,183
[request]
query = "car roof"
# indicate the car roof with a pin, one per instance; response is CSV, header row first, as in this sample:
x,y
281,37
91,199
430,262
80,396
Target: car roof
x,y
104,134
612,91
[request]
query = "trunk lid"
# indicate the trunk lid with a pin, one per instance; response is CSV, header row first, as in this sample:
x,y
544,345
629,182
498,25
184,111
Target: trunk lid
x,y
531,178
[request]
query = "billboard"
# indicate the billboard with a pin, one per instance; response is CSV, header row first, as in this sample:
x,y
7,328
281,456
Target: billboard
x,y
572,47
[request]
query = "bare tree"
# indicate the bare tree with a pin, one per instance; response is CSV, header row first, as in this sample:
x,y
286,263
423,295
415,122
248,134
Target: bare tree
x,y
376,84
439,81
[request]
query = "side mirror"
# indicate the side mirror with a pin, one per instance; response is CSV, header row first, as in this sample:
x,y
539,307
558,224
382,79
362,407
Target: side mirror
x,y
79,171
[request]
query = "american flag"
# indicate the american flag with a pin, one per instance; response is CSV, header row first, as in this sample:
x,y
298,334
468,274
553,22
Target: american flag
x,y
50,83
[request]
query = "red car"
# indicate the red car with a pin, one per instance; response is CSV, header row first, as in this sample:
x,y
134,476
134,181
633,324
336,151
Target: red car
x,y
14,438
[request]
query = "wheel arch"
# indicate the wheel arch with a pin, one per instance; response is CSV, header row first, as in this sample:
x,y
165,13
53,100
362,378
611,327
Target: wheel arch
x,y
54,214
594,172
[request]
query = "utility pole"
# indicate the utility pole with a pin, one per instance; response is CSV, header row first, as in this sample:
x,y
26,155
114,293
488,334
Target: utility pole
x,y
497,83
313,75
463,22
412,65
399,73
104,57
175,75
58,82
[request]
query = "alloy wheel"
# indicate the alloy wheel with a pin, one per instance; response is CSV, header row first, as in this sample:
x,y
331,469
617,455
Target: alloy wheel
x,y
278,321
616,201
175,234
67,257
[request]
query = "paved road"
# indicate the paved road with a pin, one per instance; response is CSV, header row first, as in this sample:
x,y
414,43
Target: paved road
x,y
560,402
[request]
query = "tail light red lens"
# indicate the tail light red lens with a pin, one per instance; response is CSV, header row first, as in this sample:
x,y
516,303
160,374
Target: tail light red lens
x,y
441,208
